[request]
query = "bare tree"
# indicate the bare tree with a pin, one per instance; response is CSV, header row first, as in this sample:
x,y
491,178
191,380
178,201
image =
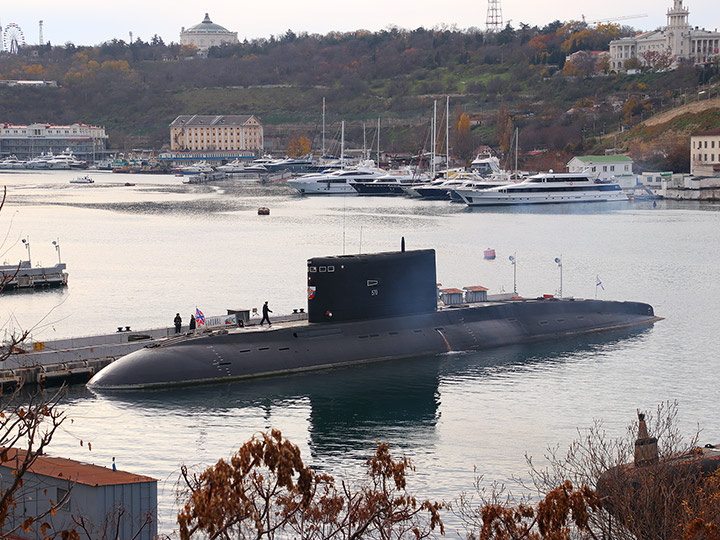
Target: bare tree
x,y
599,489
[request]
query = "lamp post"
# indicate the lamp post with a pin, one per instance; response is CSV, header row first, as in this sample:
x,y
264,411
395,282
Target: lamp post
x,y
56,243
26,241
513,261
558,261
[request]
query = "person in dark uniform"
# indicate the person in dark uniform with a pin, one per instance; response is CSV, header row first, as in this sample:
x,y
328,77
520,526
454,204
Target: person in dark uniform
x,y
178,323
192,322
265,317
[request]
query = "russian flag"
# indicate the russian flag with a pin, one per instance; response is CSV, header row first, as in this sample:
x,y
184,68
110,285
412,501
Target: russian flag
x,y
199,317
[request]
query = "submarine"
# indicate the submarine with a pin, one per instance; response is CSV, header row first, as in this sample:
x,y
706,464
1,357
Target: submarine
x,y
364,308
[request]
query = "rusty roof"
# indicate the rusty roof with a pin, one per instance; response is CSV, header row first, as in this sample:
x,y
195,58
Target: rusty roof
x,y
451,291
475,288
75,471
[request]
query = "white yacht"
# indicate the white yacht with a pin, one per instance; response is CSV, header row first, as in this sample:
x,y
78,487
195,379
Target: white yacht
x,y
546,188
391,183
336,181
66,160
12,162
39,162
196,168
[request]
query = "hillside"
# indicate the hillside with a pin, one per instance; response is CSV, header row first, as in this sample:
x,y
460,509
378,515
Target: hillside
x,y
513,79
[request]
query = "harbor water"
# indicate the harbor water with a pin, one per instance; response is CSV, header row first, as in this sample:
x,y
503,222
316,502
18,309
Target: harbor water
x,y
137,254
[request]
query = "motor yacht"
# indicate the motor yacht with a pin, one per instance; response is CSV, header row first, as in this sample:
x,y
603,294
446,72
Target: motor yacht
x,y
336,181
548,187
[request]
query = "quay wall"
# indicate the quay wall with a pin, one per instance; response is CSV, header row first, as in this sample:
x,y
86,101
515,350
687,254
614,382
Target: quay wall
x,y
76,360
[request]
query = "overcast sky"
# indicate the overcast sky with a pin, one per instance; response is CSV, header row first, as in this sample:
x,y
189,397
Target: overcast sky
x,y
86,22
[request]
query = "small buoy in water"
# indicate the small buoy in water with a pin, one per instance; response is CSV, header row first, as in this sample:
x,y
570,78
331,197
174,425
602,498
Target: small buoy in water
x,y
263,211
489,254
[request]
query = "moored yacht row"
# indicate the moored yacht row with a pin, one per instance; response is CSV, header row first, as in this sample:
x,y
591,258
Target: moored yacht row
x,y
463,186
64,161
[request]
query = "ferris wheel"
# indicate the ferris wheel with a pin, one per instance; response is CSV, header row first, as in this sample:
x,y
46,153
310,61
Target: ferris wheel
x,y
13,38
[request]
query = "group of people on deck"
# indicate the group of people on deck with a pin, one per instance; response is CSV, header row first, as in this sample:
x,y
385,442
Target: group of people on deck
x,y
193,323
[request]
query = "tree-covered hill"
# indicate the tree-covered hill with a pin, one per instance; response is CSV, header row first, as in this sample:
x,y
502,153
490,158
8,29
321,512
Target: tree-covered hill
x,y
516,78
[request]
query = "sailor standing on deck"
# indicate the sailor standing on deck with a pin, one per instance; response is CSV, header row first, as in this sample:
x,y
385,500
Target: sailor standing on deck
x,y
178,323
265,317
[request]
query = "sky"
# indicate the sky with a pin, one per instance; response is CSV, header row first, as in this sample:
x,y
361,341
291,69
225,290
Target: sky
x,y
89,22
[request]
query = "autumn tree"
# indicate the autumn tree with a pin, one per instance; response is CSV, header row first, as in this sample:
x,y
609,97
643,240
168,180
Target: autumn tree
x,y
658,60
266,491
464,142
298,146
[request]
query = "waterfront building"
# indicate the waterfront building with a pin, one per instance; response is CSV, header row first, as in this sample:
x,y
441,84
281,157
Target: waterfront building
x,y
26,142
678,39
122,501
705,153
605,167
207,34
220,132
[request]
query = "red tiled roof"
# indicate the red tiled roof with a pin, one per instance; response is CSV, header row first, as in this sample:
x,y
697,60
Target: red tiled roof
x,y
451,291
475,288
707,133
75,471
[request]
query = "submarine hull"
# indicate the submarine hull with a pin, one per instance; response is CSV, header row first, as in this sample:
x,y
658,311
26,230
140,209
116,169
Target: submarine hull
x,y
250,352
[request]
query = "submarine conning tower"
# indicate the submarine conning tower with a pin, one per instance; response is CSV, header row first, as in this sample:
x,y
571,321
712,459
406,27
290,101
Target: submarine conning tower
x,y
373,286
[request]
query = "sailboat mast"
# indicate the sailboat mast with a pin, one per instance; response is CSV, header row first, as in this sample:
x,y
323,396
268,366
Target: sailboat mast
x,y
434,137
365,152
447,134
323,133
342,144
378,161
517,135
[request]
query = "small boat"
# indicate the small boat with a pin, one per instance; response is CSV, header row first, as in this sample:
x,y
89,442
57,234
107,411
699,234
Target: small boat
x,y
82,180
489,254
263,211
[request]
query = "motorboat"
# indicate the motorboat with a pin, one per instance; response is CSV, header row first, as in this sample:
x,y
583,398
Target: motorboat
x,y
196,168
82,180
66,160
12,162
392,183
204,178
39,162
546,188
336,181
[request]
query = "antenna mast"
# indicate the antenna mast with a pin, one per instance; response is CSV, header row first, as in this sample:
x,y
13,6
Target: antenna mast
x,y
41,34
494,21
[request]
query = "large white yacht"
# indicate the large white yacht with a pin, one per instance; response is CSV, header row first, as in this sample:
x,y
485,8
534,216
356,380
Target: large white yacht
x,y
66,160
548,187
336,181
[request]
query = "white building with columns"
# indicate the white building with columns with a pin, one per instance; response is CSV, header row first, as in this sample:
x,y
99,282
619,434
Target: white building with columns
x,y
682,41
207,34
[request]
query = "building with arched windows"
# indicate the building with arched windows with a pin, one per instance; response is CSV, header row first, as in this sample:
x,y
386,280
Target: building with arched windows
x,y
678,40
207,34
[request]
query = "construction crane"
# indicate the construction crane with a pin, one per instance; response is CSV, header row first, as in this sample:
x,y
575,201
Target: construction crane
x,y
611,19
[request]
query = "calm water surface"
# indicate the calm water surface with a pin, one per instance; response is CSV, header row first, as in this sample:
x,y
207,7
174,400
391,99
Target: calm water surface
x,y
138,254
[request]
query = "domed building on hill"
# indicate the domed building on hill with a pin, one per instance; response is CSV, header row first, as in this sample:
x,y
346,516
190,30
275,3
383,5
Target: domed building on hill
x,y
207,34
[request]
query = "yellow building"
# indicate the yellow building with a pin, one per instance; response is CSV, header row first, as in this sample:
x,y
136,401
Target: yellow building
x,y
224,132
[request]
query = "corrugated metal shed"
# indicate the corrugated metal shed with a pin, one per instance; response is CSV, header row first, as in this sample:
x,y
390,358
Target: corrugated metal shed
x,y
475,293
451,297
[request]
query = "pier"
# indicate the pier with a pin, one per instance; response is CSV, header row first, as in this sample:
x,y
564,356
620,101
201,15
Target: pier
x,y
76,360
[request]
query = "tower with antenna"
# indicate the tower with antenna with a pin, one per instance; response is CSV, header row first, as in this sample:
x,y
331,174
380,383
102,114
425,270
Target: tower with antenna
x,y
494,21
41,35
